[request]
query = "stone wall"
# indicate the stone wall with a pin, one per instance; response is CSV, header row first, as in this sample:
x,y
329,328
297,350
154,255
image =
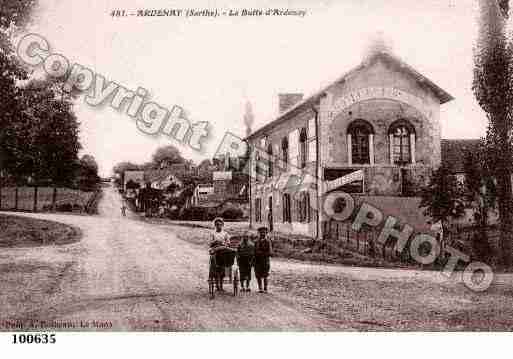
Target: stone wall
x,y
408,100
382,178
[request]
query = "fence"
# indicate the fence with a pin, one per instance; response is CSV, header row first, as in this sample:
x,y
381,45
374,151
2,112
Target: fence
x,y
341,236
41,198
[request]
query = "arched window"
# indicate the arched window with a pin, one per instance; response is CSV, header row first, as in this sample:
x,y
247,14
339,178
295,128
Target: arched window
x,y
302,148
360,142
402,142
270,161
285,149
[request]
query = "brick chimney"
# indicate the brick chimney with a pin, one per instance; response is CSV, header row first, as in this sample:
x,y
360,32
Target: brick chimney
x,y
287,100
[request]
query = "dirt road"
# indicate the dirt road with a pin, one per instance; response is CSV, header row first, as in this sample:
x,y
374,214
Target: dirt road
x,y
125,274
133,276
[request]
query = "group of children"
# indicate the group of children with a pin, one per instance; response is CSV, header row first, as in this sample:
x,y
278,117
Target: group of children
x,y
249,255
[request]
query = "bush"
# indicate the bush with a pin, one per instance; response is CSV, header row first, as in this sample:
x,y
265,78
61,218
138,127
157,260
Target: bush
x,y
65,207
232,213
197,214
172,213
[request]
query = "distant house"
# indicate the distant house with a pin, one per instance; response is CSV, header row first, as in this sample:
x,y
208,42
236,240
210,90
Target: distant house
x,y
230,185
202,192
161,179
227,189
136,177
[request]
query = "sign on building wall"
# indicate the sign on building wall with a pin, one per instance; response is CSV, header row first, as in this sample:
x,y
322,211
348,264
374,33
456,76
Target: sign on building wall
x,y
222,175
312,150
368,93
311,128
341,181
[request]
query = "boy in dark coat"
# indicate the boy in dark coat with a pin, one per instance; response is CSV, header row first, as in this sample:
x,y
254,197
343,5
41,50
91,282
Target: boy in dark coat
x,y
245,259
263,252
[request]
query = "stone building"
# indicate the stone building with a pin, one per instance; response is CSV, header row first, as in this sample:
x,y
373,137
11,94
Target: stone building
x,y
375,131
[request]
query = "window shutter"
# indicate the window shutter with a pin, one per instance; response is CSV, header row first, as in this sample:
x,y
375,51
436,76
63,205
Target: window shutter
x,y
294,147
312,151
276,150
311,128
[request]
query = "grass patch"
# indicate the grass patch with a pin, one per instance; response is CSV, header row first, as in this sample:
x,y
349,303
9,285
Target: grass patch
x,y
18,231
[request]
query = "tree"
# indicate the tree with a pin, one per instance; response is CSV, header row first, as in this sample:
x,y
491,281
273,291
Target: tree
x,y
147,166
16,13
170,154
88,173
493,89
172,188
41,139
205,164
131,184
53,133
441,197
125,166
89,162
11,104
120,168
480,193
38,133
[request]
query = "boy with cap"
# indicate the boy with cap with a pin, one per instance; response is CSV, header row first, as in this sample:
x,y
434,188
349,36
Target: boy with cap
x,y
245,258
263,252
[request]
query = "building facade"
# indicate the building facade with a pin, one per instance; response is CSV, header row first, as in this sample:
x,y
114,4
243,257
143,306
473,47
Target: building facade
x,y
375,131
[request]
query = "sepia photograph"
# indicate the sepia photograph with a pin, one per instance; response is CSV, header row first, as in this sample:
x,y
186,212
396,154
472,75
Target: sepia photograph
x,y
261,166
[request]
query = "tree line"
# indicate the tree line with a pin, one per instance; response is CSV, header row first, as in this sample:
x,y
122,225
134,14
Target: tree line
x,y
488,181
39,131
162,157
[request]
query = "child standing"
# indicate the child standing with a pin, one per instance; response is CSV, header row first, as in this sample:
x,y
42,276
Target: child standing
x,y
245,258
219,241
263,252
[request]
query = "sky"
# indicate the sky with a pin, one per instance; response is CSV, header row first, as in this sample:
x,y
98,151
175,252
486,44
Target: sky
x,y
212,67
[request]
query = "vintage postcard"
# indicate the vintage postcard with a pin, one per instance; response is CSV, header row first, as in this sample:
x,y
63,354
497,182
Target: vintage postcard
x,y
213,166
